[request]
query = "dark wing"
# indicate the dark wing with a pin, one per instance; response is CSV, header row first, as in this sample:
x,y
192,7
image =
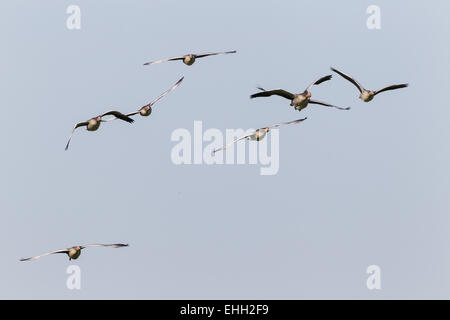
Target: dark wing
x,y
213,54
349,78
71,134
163,60
118,115
289,122
319,81
278,92
168,91
393,87
231,143
327,105
113,245
45,254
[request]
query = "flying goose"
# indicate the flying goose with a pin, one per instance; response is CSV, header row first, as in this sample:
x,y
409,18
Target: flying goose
x,y
146,110
367,95
74,252
298,101
94,123
259,134
188,59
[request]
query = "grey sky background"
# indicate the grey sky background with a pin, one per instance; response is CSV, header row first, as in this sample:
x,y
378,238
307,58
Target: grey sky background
x,y
355,188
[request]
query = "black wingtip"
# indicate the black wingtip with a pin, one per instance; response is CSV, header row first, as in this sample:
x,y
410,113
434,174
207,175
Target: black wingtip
x,y
323,79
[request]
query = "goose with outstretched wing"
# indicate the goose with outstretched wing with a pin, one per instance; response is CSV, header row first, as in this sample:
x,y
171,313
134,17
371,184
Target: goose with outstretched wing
x,y
301,100
258,134
74,252
94,123
146,110
368,95
188,59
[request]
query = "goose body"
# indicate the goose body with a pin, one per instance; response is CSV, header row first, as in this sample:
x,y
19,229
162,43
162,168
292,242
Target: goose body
x,y
93,124
74,252
300,101
189,59
145,111
258,135
367,95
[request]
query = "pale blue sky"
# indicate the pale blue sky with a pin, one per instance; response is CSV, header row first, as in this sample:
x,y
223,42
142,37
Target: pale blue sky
x,y
355,188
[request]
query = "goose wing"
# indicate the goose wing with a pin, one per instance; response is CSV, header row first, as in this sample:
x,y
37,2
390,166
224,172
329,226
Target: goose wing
x,y
213,53
118,115
349,78
163,60
285,123
127,114
113,245
278,92
166,92
45,254
231,143
81,124
393,87
319,81
327,105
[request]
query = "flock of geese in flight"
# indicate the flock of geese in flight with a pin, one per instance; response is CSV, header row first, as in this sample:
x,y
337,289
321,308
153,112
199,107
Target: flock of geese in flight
x,y
299,101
